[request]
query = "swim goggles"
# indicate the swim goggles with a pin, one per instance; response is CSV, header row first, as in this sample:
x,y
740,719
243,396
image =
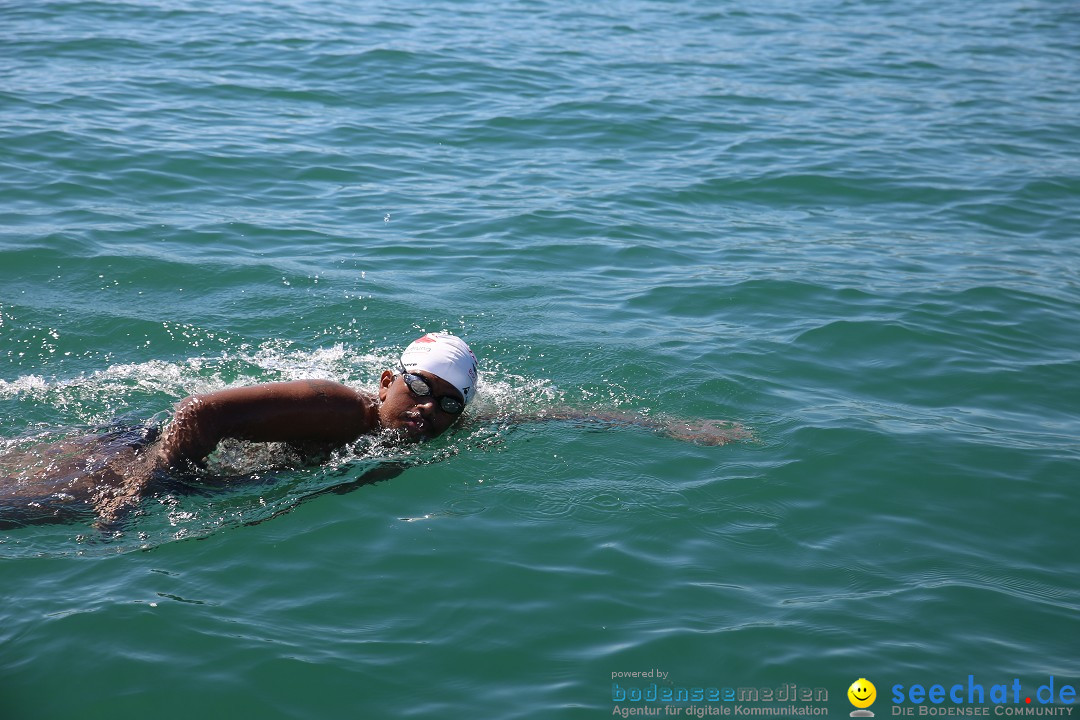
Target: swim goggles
x,y
420,387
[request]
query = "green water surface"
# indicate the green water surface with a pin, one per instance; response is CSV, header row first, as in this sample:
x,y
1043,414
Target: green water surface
x,y
850,226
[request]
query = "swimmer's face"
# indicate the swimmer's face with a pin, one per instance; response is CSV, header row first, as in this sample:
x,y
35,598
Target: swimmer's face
x,y
418,416
862,693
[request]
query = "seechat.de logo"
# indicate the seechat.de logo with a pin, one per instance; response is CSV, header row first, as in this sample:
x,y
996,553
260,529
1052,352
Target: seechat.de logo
x,y
862,695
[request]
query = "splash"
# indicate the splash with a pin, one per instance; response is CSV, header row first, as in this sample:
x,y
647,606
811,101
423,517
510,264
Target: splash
x,y
243,483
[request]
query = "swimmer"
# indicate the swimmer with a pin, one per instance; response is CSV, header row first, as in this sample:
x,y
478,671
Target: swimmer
x,y
436,378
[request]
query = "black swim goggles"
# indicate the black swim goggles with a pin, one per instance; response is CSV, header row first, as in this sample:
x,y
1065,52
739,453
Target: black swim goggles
x,y
420,387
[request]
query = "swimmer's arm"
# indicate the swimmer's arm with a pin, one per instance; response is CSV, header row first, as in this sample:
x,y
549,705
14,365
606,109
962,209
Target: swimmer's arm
x,y
698,432
305,411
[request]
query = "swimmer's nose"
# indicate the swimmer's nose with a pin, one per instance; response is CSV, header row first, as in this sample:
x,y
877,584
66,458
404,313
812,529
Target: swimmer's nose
x,y
426,405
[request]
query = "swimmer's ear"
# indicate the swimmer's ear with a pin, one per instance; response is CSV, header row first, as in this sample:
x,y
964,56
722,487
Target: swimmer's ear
x,y
384,384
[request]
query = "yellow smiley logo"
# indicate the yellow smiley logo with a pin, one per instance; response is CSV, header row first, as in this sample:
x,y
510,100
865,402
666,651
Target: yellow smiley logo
x,y
862,693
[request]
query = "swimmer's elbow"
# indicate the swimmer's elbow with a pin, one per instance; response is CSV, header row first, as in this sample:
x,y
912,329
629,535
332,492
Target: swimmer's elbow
x,y
192,434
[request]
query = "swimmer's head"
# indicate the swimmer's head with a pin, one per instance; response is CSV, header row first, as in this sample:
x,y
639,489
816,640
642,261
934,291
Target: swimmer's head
x,y
445,356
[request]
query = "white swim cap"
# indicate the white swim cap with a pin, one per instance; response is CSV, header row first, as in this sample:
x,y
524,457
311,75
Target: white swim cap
x,y
446,356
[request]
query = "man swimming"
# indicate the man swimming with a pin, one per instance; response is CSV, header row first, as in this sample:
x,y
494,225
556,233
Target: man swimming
x,y
436,378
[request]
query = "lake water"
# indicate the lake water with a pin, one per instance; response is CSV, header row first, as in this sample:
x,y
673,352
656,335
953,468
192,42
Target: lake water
x,y
850,226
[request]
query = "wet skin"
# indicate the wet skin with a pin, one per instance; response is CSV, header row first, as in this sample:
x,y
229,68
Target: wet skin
x,y
315,414
420,417
303,412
